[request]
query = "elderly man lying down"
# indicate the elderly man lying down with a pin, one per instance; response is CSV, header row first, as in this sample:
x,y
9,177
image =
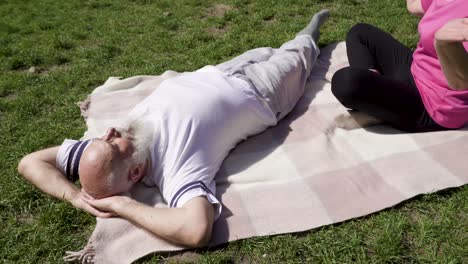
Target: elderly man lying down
x,y
177,139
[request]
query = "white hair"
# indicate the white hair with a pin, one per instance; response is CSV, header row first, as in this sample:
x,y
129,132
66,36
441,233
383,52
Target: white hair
x,y
142,136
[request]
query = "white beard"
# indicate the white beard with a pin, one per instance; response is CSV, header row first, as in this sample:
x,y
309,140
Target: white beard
x,y
141,134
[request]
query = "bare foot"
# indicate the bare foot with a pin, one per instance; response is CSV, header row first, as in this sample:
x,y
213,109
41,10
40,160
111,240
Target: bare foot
x,y
354,120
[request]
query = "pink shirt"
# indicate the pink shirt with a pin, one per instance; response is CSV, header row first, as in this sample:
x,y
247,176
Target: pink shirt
x,y
449,108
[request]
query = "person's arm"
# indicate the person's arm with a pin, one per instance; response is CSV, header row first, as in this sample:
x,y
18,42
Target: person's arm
x,y
415,7
190,225
39,169
452,54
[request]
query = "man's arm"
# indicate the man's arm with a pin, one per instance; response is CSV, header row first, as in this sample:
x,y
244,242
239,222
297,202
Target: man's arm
x,y
39,169
190,225
415,7
452,54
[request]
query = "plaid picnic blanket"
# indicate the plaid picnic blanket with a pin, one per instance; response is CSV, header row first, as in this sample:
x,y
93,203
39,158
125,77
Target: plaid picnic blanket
x,y
302,174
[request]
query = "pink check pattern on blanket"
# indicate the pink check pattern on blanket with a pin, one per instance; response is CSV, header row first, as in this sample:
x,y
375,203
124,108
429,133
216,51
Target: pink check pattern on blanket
x,y
299,175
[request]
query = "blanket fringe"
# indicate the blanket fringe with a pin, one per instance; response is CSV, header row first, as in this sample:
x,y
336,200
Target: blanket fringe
x,y
86,255
84,107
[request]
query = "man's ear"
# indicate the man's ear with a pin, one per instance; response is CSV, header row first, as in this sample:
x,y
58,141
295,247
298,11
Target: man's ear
x,y
136,172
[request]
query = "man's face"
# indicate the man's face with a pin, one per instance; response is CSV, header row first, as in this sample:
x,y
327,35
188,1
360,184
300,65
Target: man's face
x,y
99,161
120,146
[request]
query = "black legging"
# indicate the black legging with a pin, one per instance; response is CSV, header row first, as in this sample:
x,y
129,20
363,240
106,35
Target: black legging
x,y
391,95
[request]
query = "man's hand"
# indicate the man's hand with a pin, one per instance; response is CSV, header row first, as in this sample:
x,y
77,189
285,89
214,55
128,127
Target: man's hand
x,y
105,207
81,201
455,30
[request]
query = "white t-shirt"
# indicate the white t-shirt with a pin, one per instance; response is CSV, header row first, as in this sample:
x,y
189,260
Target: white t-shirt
x,y
198,118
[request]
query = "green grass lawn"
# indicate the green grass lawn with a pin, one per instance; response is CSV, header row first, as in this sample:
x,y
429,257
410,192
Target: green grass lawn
x,y
53,53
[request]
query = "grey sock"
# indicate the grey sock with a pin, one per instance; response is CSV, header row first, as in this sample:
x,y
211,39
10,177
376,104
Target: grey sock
x,y
313,28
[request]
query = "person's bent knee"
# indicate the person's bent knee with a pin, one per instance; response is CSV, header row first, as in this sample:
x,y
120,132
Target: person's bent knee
x,y
358,30
343,85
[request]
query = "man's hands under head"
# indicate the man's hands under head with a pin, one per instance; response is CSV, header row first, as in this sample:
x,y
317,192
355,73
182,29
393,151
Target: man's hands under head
x,y
81,201
103,208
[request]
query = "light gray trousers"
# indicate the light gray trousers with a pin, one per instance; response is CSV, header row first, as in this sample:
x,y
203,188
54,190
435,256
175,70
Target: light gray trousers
x,y
277,75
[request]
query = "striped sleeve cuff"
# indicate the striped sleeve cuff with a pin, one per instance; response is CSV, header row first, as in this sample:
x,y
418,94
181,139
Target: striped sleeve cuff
x,y
192,190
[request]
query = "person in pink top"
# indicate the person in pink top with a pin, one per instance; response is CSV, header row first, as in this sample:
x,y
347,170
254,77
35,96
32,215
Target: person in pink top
x,y
424,90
